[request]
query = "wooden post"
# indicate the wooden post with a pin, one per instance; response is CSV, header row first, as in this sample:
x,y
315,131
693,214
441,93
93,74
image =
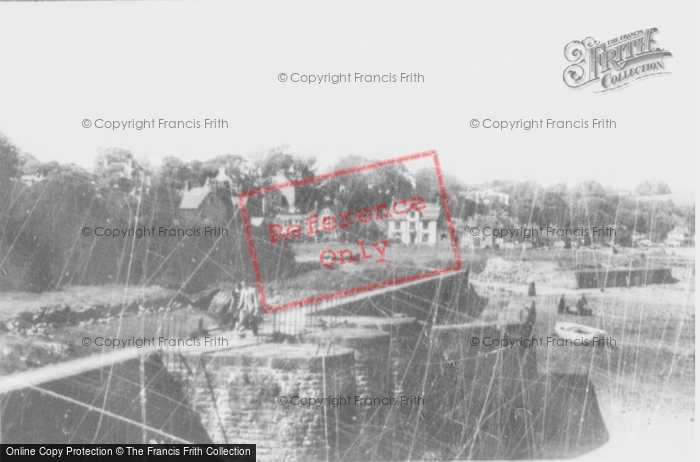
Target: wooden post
x,y
531,289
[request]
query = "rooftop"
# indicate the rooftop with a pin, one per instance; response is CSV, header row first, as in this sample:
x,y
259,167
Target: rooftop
x,y
430,212
192,199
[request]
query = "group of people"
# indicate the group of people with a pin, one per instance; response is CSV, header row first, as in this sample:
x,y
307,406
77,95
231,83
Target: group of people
x,y
581,306
244,310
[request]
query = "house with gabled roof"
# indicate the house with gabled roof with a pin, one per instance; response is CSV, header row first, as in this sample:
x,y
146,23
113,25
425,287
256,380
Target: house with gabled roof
x,y
214,203
416,227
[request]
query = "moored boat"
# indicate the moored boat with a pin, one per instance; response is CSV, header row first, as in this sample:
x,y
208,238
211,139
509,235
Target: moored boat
x,y
574,331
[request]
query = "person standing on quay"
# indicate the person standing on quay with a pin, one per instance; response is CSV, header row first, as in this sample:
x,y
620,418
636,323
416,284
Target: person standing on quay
x,y
249,310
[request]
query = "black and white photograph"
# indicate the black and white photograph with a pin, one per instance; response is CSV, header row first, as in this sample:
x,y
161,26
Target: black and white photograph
x,y
316,231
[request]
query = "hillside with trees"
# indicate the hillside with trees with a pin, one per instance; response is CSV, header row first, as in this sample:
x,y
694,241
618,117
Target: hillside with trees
x,y
41,246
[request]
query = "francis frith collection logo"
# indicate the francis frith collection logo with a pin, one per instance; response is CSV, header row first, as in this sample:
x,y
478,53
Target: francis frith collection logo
x,y
615,63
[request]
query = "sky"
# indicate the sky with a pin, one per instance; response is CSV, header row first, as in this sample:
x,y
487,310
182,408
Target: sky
x,y
65,62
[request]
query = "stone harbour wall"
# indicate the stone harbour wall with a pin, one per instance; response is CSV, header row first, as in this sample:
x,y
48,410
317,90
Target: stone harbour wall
x,y
246,394
477,400
373,367
623,277
406,357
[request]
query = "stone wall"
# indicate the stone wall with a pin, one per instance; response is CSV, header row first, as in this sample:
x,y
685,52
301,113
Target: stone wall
x,y
623,277
240,394
386,436
407,346
449,298
374,375
373,368
474,393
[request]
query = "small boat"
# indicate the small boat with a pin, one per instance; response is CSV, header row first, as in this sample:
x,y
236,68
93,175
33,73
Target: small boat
x,y
574,331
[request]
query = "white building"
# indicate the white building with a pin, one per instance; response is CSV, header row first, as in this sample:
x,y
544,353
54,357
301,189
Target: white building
x,y
489,196
680,236
123,169
416,227
32,179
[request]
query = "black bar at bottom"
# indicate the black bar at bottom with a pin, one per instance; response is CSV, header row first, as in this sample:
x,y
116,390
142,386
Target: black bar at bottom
x,y
127,452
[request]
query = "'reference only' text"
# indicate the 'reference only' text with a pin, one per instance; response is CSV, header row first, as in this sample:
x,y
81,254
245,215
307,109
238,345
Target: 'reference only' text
x,y
364,215
329,223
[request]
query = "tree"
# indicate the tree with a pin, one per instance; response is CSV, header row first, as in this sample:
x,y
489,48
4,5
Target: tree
x,y
662,188
427,185
688,214
173,173
45,222
10,163
526,203
652,188
353,191
644,189
117,168
555,206
464,208
45,168
294,168
368,188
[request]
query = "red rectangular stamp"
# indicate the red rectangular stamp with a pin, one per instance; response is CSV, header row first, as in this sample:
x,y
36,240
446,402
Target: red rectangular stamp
x,y
392,213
